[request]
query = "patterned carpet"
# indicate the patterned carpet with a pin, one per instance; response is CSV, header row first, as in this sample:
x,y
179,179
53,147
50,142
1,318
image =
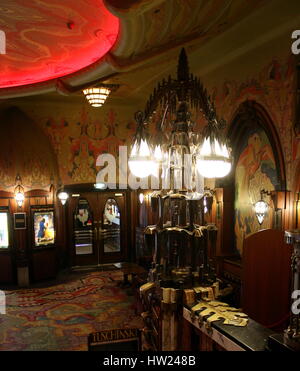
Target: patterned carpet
x,y
60,317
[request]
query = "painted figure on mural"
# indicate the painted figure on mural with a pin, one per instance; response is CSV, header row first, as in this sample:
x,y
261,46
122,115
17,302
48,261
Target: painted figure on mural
x,y
41,232
255,171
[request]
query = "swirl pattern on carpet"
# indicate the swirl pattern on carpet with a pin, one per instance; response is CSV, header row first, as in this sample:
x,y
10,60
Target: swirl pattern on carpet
x,y
60,317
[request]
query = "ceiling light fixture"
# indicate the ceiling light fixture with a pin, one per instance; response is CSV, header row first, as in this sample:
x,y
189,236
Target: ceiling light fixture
x,y
97,95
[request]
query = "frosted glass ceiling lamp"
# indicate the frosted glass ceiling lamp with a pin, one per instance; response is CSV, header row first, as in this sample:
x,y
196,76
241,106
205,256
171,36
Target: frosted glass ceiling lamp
x,y
214,155
96,96
140,161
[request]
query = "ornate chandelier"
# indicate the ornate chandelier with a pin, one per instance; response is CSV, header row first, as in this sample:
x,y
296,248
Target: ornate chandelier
x,y
176,153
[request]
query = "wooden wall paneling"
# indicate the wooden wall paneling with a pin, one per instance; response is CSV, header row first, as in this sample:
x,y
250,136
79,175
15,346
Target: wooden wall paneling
x,y
296,215
61,233
42,261
225,221
44,265
6,268
186,338
296,198
133,223
266,277
7,261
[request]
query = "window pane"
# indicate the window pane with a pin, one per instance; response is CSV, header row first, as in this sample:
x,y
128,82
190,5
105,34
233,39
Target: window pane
x,y
111,227
83,228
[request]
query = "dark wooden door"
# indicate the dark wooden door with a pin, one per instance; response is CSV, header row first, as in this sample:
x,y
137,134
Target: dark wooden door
x,y
97,228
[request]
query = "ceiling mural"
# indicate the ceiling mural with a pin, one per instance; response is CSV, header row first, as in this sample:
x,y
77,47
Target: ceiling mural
x,y
166,24
49,39
43,39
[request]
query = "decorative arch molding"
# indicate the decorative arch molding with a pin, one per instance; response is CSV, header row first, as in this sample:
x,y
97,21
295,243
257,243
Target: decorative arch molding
x,y
247,114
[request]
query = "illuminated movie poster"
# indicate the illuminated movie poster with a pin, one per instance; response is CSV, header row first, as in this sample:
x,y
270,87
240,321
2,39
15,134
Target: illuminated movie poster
x,y
4,243
43,227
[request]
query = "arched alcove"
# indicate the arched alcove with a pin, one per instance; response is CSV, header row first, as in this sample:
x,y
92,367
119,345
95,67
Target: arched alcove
x,y
258,165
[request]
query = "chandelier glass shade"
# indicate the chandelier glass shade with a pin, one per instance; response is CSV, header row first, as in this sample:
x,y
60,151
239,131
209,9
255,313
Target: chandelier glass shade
x,y
141,162
214,155
96,96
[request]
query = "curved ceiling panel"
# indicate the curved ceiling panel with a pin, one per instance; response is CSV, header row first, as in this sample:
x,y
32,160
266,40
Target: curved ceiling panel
x,y
49,39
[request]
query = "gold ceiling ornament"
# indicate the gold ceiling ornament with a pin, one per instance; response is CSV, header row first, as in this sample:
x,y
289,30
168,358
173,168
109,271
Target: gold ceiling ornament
x,y
216,310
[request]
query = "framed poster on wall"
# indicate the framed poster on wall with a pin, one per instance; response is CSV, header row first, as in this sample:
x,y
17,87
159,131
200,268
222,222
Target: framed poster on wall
x,y
4,229
20,221
43,226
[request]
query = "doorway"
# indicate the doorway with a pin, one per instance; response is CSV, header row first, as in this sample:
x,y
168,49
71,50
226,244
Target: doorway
x,y
97,228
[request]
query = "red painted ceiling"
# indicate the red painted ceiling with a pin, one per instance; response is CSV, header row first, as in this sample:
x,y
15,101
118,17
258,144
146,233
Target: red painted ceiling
x,y
49,39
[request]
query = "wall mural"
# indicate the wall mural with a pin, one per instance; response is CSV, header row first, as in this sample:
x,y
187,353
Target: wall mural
x,y
78,145
274,88
255,170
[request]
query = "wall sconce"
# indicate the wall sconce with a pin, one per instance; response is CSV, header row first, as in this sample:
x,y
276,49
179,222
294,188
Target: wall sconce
x,y
261,207
19,192
63,196
279,201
